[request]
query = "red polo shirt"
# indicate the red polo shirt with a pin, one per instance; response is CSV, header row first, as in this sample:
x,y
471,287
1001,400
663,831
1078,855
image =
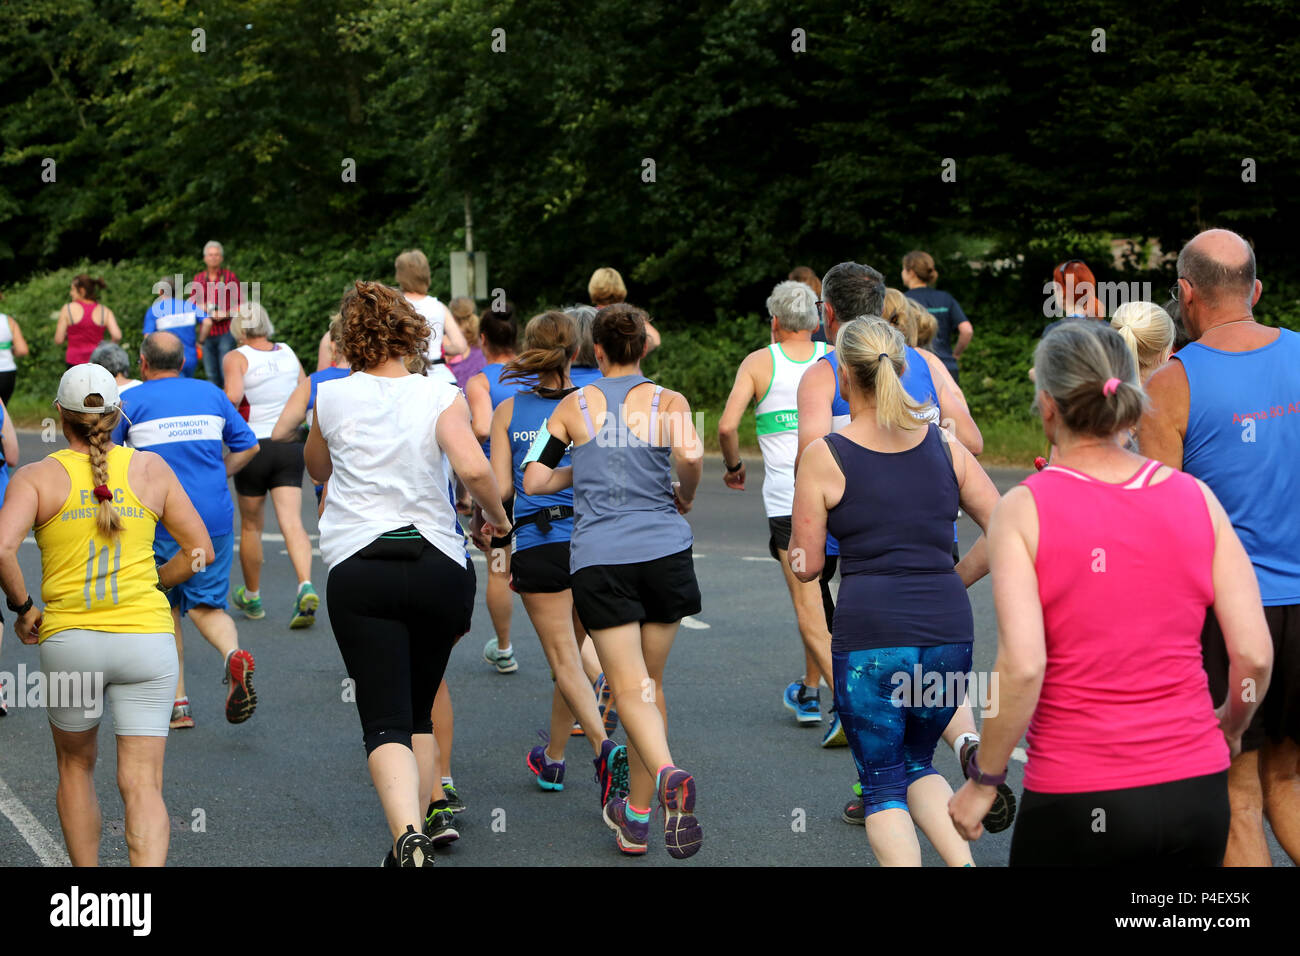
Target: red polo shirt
x,y
220,294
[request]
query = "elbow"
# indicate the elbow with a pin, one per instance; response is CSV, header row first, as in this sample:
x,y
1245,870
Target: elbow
x,y
533,481
975,443
1023,673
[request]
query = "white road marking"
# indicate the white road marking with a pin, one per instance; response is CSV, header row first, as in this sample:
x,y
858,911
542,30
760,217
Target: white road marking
x,y
694,624
750,557
38,838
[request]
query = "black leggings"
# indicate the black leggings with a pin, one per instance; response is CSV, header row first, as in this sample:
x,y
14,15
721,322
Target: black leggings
x,y
395,623
7,382
1181,823
828,602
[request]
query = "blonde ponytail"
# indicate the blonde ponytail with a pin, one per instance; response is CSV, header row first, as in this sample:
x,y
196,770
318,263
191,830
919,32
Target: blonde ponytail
x,y
1147,330
874,354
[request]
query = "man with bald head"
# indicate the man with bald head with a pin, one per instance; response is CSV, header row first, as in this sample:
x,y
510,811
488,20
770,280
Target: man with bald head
x,y
1226,409
187,421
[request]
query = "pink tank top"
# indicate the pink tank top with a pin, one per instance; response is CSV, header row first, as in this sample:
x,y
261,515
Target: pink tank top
x,y
1125,578
84,334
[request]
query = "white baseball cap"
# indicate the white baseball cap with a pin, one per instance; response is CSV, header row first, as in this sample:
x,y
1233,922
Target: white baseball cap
x,y
82,381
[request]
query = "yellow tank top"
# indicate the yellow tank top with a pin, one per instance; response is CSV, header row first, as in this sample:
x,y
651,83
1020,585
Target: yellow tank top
x,y
91,582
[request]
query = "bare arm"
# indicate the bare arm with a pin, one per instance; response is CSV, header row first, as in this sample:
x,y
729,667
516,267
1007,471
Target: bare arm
x,y
954,414
16,519
233,367
110,323
324,353
182,522
61,330
236,460
652,339
456,438
816,393
979,498
502,460
808,516
453,339
540,479
294,412
742,393
20,344
1163,426
316,454
480,406
965,332
10,438
678,430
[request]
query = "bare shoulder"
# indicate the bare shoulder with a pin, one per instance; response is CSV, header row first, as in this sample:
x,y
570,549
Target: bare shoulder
x,y
1168,381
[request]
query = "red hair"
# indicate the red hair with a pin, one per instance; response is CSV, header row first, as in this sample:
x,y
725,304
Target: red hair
x,y
1074,276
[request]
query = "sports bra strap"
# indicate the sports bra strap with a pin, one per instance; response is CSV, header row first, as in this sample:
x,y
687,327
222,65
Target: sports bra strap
x,y
586,415
654,414
1147,473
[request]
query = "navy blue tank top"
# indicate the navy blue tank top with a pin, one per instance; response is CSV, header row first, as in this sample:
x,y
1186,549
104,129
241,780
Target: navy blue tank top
x,y
898,587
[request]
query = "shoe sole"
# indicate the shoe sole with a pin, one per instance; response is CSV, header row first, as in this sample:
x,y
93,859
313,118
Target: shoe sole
x,y
630,849
445,838
605,704
544,784
251,615
1003,812
241,701
683,835
183,724
853,821
503,669
417,854
305,615
837,739
801,719
619,772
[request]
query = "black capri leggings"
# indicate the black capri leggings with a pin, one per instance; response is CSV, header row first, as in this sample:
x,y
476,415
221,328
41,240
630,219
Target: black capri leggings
x,y
7,382
1180,823
395,623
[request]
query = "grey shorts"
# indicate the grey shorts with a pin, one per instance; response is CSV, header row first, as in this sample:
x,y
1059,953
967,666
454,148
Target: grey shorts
x,y
135,674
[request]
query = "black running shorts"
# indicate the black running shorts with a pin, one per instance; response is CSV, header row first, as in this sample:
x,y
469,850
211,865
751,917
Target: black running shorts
x,y
543,569
656,592
1278,714
277,464
778,535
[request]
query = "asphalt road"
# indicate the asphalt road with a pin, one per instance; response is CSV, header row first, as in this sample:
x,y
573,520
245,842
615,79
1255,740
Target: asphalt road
x,y
245,795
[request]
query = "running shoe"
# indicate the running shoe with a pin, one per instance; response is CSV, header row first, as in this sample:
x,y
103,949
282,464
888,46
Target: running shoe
x,y
413,849
605,704
577,730
834,736
252,607
807,707
611,771
550,776
630,836
241,699
682,834
454,803
504,663
182,716
855,812
304,607
440,824
1003,812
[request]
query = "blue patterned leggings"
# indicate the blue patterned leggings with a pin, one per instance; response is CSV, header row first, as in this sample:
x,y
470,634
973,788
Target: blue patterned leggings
x,y
890,731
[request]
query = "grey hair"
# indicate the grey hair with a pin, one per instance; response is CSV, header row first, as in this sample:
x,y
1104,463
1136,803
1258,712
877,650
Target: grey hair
x,y
252,322
113,357
1212,278
1074,361
794,306
213,244
584,316
853,289
164,352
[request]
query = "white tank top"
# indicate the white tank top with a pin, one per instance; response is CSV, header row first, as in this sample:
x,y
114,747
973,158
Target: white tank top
x,y
777,420
270,380
388,469
436,315
7,363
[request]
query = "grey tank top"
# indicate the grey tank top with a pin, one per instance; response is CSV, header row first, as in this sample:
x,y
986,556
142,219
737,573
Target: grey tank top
x,y
622,488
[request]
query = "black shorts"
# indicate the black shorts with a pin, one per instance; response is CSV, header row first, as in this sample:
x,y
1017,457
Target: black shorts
x,y
650,592
277,464
778,535
543,569
1278,714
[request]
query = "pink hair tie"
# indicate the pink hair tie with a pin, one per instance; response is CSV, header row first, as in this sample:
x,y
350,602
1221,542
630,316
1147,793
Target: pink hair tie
x,y
1110,386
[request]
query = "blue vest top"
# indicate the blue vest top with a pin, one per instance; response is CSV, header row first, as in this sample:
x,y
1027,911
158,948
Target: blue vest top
x,y
529,411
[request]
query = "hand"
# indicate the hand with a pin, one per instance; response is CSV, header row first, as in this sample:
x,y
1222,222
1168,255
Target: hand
x,y
28,626
496,530
682,506
476,531
1234,745
968,807
734,479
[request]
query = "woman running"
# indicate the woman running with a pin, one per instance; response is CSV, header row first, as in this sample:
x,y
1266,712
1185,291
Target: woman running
x,y
83,321
497,336
540,565
464,367
632,573
260,377
1105,564
888,486
12,346
295,419
401,588
444,334
95,506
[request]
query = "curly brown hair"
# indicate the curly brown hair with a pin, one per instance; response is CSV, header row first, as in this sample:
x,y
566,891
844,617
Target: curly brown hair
x,y
378,325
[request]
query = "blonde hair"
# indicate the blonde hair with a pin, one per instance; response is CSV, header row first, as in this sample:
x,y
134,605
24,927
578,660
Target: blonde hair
x,y
412,271
606,287
872,355
897,313
96,430
466,315
253,322
927,326
1147,330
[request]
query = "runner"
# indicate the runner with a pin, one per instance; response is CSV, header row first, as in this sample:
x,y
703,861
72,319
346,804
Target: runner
x,y
12,346
295,419
540,565
1148,331
770,376
605,288
171,313
83,322
113,357
185,421
632,572
497,336
445,337
400,588
466,366
260,376
1227,411
851,288
106,617
215,292
918,275
1106,565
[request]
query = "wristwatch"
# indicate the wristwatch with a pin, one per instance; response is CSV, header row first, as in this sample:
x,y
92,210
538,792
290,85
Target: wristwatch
x,y
19,609
732,470
973,772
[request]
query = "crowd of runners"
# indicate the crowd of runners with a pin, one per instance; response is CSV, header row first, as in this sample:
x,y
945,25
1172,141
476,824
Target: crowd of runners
x,y
1146,578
